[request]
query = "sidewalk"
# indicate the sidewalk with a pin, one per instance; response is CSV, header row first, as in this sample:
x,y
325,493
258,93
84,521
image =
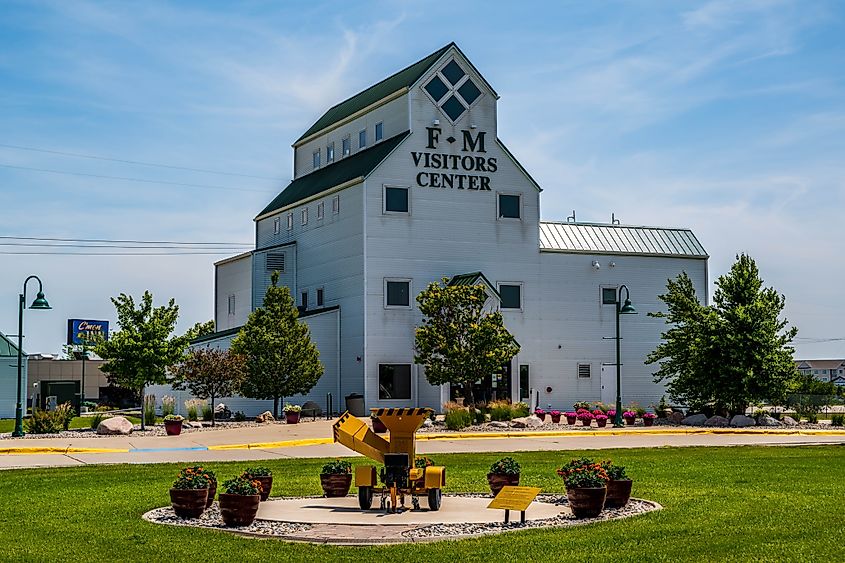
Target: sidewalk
x,y
313,439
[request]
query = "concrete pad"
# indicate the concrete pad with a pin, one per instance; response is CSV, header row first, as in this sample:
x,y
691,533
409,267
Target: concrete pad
x,y
345,511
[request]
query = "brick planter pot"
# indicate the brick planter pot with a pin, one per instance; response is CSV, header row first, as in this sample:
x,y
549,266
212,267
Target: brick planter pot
x,y
188,503
238,510
618,493
586,502
336,484
498,480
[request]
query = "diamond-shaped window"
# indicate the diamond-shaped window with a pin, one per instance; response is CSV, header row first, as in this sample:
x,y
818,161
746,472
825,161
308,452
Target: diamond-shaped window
x,y
436,88
453,72
453,108
469,91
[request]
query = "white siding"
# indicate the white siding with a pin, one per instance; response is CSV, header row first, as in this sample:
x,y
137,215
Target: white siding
x,y
8,385
232,278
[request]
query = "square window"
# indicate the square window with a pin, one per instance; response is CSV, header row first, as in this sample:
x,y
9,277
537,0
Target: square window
x,y
398,293
395,200
509,206
290,221
316,158
330,153
454,108
277,225
379,131
321,210
394,381
336,205
319,297
511,295
453,72
346,146
305,216
304,299
584,371
436,89
362,138
608,296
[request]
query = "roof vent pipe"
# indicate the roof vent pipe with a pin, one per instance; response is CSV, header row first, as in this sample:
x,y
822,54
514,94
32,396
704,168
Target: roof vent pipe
x,y
613,219
571,218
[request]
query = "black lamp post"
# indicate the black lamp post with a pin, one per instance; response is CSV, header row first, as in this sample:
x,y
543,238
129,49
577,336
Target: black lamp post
x,y
39,303
626,309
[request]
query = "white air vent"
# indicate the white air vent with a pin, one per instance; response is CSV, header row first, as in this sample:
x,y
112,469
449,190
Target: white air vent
x,y
584,370
276,262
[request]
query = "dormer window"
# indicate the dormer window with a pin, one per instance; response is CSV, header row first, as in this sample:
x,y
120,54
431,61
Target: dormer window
x,y
452,90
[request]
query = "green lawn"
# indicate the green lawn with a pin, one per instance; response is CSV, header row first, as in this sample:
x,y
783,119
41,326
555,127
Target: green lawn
x,y
721,504
8,424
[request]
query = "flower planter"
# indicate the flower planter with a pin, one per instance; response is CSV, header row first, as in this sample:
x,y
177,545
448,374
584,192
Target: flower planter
x,y
238,510
601,423
212,491
648,422
173,427
586,422
630,421
586,502
618,493
266,485
571,420
292,417
336,484
188,503
555,418
378,426
541,416
499,480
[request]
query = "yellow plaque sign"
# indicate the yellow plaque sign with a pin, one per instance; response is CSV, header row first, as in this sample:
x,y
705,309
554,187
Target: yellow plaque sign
x,y
514,498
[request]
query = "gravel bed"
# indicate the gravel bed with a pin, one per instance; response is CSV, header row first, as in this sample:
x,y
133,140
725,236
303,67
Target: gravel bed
x,y
157,430
633,508
211,519
551,426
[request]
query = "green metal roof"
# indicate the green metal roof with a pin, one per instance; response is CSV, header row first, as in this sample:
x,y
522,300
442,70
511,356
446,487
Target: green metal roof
x,y
405,78
358,165
473,278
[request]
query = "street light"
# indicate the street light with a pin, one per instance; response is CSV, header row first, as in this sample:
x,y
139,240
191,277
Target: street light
x,y
626,309
39,303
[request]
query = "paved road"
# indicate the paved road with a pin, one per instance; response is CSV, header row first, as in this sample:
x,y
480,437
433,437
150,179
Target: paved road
x,y
283,441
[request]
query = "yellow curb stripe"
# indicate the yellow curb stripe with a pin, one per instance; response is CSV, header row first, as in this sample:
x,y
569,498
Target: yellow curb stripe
x,y
274,445
55,450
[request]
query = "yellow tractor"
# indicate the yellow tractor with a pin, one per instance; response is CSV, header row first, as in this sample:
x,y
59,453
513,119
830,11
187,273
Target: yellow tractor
x,y
399,475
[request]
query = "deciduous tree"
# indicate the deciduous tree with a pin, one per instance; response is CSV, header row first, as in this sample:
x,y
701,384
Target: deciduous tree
x,y
459,342
209,373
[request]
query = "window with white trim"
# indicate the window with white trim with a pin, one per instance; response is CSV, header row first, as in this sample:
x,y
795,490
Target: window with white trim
x,y
320,296
397,293
608,295
290,221
511,295
316,158
336,204
330,153
584,371
277,225
379,131
304,216
509,206
362,138
396,199
346,145
321,210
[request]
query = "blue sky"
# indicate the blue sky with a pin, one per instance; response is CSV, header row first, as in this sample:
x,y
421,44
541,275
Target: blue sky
x,y
726,117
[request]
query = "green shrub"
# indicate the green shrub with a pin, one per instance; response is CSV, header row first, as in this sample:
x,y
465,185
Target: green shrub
x,y
505,466
337,467
501,410
257,471
97,419
812,417
519,410
168,406
614,472
479,416
241,486
239,416
192,405
43,422
64,414
837,420
207,412
149,410
458,418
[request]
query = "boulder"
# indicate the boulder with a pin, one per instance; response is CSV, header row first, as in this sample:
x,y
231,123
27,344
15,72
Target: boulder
x,y
694,420
527,422
266,416
717,421
191,424
312,408
427,423
116,425
742,421
222,412
675,417
789,421
766,420
498,424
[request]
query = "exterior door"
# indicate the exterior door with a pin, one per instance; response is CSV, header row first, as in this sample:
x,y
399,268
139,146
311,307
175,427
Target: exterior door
x,y
608,384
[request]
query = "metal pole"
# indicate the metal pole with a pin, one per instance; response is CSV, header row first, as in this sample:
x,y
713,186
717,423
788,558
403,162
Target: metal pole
x,y
82,386
617,420
18,432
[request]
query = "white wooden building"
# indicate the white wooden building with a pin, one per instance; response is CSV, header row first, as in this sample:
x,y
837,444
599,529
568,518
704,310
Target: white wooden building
x,y
408,182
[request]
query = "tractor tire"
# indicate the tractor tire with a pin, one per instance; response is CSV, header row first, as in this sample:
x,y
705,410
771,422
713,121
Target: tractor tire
x,y
434,497
365,497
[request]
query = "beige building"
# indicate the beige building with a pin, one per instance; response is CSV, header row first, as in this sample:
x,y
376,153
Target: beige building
x,y
49,376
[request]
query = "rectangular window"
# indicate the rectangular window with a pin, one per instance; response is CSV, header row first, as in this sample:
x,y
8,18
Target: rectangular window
x,y
290,221
395,200
346,145
336,205
511,295
277,225
509,206
319,297
379,131
394,381
397,293
329,153
608,296
232,304
524,383
304,216
275,262
304,299
362,138
316,158
321,210
584,371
